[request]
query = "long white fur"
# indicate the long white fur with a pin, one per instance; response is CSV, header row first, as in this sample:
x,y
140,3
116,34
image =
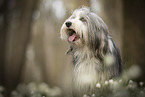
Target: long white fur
x,y
88,69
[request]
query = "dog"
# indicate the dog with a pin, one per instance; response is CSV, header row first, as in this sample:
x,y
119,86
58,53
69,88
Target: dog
x,y
95,55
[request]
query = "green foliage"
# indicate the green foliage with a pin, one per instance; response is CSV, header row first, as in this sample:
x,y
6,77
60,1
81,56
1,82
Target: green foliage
x,y
36,90
118,88
109,88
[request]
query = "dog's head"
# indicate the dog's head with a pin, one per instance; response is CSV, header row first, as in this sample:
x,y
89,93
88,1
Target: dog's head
x,y
85,28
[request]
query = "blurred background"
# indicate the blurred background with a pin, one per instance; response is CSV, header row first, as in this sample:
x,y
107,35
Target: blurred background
x,y
30,47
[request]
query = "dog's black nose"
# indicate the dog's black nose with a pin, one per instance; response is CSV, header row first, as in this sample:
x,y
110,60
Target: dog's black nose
x,y
68,23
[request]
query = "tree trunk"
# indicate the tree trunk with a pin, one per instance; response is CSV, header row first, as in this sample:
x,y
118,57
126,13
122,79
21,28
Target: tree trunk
x,y
15,36
134,34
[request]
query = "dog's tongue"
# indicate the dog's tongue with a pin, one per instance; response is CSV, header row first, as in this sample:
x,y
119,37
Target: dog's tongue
x,y
72,38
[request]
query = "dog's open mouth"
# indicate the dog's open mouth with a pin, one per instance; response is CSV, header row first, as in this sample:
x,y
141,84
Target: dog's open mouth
x,y
72,35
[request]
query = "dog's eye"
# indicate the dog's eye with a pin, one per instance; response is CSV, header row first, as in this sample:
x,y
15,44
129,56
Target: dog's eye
x,y
82,19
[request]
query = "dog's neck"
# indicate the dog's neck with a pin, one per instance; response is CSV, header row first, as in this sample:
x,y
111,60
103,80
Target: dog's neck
x,y
83,53
85,56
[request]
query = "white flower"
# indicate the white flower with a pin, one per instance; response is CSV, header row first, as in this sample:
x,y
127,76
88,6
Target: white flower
x,y
130,82
93,95
85,95
98,85
134,71
120,80
141,84
111,81
109,60
106,82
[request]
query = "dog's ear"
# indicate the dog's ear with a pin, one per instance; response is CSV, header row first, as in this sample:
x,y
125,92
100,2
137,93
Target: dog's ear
x,y
97,33
69,51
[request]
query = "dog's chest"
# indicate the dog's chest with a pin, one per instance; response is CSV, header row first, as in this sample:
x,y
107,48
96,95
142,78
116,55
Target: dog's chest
x,y
86,72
